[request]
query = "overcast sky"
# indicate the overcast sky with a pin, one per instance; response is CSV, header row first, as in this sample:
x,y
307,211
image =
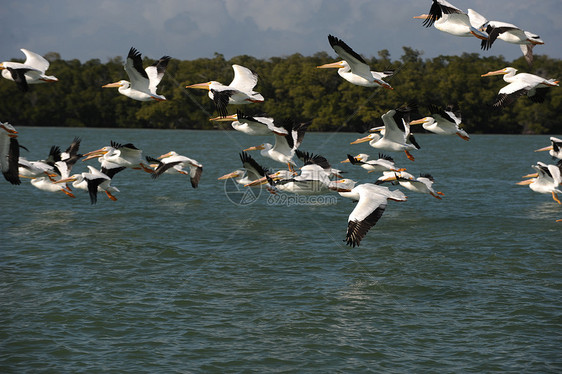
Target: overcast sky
x,y
191,29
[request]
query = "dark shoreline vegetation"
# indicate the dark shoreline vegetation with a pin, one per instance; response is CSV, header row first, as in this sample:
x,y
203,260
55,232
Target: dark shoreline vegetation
x,y
293,88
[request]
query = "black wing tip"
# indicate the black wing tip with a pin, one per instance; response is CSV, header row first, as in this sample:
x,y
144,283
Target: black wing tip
x,y
134,53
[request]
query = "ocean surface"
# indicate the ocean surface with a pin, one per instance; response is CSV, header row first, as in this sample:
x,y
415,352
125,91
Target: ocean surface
x,y
171,279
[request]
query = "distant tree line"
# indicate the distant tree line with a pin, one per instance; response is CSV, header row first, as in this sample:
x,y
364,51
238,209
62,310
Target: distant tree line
x,y
293,88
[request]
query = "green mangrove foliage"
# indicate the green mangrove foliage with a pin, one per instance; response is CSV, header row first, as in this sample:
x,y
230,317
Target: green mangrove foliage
x,y
293,88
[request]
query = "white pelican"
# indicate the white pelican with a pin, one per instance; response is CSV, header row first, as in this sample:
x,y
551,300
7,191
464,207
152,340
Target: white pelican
x,y
383,163
174,163
32,71
313,180
9,153
251,173
372,201
520,84
35,169
47,183
421,184
253,125
353,67
443,121
507,32
239,91
315,159
116,154
284,148
555,149
545,180
68,159
143,82
92,181
450,19
396,135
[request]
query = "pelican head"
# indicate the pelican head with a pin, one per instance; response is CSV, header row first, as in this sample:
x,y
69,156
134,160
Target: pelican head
x,y
368,138
12,133
234,174
97,153
121,83
423,121
169,154
338,65
344,185
72,178
256,148
203,86
504,71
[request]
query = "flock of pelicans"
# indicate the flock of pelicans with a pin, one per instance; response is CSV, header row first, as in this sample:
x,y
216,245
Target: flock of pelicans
x,y
316,175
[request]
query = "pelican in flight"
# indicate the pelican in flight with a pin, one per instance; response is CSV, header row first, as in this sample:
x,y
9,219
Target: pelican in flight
x,y
450,19
253,125
116,154
315,159
546,180
421,184
239,91
313,180
507,32
92,181
32,71
371,204
9,153
396,134
383,163
533,86
353,67
284,148
142,82
555,149
48,183
35,169
443,121
174,163
252,174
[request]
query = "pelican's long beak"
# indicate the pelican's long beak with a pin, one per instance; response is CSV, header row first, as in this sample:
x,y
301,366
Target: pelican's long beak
x,y
549,148
9,131
535,42
257,182
65,180
331,65
419,121
479,34
497,72
49,79
533,175
344,161
234,174
232,117
525,182
203,86
114,84
422,16
256,148
94,154
165,155
362,140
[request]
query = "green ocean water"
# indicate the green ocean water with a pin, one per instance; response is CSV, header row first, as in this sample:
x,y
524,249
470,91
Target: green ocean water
x,y
171,279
